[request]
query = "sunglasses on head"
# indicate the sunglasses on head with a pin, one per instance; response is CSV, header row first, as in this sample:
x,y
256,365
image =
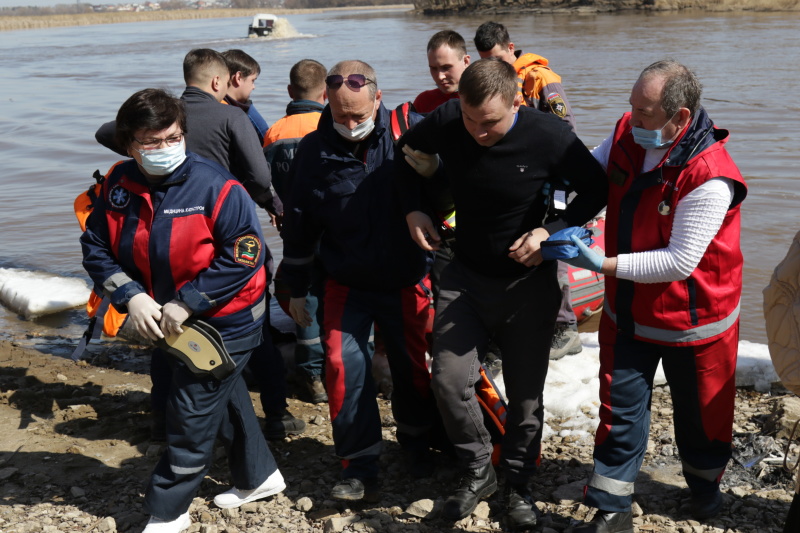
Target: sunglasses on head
x,y
353,81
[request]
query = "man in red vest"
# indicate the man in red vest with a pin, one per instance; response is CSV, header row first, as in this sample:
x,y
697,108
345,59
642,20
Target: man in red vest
x,y
673,288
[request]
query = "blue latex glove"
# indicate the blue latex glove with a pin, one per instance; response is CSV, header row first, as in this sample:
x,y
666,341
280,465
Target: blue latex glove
x,y
586,258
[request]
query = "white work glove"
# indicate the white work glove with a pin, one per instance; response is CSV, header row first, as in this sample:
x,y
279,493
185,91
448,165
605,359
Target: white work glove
x,y
144,313
426,165
297,308
173,314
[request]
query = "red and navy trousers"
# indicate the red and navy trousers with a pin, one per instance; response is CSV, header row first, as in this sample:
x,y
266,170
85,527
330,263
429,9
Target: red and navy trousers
x,y
702,382
400,317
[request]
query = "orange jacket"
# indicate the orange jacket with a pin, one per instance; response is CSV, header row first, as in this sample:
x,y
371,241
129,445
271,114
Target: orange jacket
x,y
282,139
84,204
541,87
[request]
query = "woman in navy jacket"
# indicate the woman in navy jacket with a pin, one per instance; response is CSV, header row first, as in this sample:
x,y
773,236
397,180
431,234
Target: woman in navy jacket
x,y
175,235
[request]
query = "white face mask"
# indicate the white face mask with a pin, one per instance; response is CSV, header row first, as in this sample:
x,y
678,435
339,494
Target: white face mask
x,y
359,133
163,161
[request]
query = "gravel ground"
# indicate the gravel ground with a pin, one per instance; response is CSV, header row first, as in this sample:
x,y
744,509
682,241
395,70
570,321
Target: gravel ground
x,y
75,456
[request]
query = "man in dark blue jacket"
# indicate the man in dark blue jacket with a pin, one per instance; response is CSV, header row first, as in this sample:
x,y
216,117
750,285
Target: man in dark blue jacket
x,y
342,196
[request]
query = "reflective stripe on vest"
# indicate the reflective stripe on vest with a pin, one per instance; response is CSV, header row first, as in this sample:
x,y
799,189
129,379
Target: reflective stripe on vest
x,y
699,333
611,486
450,219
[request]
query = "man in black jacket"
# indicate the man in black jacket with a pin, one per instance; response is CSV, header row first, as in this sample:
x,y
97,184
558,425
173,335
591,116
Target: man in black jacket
x,y
497,157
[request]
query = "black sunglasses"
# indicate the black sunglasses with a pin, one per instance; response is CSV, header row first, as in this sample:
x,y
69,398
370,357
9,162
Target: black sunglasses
x,y
353,81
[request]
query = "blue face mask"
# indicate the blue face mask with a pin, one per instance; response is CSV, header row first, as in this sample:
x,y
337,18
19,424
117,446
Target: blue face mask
x,y
164,161
649,139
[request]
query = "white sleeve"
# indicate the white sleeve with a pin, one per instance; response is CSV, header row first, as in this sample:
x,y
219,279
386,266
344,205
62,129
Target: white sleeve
x,y
698,217
602,151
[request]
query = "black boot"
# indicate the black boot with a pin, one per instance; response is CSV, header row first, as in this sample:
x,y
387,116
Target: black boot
x,y
705,506
475,484
521,512
607,522
353,489
280,424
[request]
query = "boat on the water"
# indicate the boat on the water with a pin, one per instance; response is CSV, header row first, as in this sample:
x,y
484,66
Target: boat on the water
x,y
262,25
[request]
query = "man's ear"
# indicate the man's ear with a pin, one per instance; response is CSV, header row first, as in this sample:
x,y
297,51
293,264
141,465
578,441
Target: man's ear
x,y
290,91
684,117
517,101
236,79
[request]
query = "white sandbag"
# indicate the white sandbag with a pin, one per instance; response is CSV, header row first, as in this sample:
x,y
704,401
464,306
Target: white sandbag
x,y
33,294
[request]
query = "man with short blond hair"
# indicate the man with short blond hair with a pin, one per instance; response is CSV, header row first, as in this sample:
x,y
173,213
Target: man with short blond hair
x,y
307,91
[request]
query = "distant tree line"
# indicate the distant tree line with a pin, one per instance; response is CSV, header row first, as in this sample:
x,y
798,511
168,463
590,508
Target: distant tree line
x,y
60,9
77,8
310,4
307,4
80,8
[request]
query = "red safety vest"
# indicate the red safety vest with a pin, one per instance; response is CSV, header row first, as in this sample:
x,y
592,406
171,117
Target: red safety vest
x,y
706,304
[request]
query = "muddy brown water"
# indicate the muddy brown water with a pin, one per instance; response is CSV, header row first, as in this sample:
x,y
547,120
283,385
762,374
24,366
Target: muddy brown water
x,y
60,84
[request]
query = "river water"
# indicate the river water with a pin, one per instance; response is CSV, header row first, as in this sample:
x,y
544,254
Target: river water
x,y
58,85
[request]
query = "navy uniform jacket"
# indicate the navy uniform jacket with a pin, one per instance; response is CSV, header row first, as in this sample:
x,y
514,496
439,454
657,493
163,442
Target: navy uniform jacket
x,y
195,238
348,204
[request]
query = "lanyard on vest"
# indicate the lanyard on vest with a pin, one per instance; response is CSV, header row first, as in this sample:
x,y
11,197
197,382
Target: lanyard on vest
x,y
665,207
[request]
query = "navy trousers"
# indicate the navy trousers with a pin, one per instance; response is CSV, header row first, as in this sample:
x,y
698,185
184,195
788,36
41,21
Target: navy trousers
x,y
199,410
702,381
401,316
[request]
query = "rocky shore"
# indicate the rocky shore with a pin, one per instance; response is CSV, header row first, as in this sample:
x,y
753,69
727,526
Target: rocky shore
x,y
75,456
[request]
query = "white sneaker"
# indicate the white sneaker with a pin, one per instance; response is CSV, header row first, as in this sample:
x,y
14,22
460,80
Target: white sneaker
x,y
156,525
236,498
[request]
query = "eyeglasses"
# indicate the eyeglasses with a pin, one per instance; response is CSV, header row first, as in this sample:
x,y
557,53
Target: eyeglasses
x,y
153,143
353,81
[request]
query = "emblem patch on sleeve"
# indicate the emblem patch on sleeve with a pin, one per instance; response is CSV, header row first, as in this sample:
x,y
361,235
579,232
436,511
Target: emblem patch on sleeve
x,y
557,105
246,250
119,197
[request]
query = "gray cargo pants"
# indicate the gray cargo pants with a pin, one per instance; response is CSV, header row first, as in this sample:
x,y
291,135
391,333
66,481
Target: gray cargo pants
x,y
519,314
